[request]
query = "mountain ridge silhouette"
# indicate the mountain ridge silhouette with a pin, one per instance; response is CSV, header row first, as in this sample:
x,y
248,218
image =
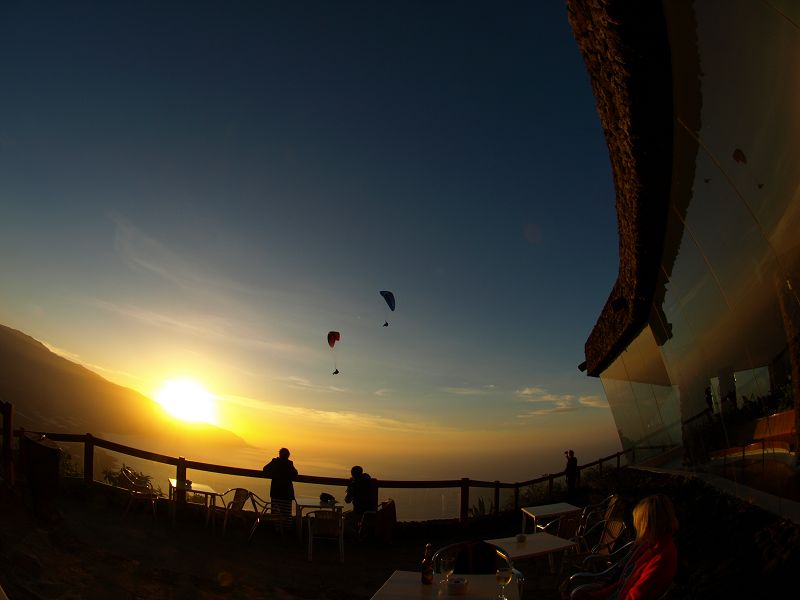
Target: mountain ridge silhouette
x,y
54,394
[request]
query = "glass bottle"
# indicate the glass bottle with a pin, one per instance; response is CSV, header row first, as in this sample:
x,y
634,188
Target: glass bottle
x,y
427,565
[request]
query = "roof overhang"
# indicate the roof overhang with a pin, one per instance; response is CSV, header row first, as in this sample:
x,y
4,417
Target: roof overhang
x,y
627,52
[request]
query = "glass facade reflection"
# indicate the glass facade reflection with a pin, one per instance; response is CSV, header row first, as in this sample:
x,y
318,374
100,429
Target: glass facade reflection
x,y
721,345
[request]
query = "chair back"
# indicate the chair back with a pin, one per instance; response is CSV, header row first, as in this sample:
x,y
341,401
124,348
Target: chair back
x,y
568,525
599,511
325,524
385,520
139,488
613,532
135,483
236,504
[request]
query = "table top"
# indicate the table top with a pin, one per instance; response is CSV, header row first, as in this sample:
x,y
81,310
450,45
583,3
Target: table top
x,y
550,510
313,502
403,585
198,488
535,544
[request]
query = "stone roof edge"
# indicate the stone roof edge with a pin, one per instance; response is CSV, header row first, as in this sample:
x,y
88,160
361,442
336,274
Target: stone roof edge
x,y
626,49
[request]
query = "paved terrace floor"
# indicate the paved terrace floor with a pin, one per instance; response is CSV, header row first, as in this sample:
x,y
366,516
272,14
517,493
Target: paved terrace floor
x,y
86,547
89,548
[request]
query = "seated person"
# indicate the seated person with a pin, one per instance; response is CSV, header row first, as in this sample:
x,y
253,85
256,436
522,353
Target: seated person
x,y
651,567
362,491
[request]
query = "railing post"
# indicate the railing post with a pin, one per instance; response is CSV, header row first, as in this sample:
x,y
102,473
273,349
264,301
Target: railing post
x,y
619,456
180,488
496,510
8,437
550,485
516,496
464,500
88,459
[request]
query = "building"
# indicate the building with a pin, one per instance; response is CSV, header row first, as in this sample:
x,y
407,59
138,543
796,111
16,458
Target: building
x,y
700,103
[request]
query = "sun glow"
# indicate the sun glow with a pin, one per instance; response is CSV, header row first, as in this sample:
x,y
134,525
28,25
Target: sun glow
x,y
187,400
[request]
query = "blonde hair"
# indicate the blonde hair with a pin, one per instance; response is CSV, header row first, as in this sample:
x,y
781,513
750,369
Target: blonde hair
x,y
653,518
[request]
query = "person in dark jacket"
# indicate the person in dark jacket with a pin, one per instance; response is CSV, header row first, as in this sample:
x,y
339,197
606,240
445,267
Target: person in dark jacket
x,y
282,472
362,491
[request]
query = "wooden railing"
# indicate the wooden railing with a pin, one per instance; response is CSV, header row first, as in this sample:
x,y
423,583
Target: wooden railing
x,y
182,464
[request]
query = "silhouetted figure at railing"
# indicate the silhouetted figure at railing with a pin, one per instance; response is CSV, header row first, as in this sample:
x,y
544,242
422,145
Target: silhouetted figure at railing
x,y
282,472
571,473
362,491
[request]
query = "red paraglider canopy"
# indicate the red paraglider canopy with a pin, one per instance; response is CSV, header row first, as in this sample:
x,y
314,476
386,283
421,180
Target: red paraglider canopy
x,y
333,337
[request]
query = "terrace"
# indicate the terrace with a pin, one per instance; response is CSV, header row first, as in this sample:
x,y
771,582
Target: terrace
x,y
78,541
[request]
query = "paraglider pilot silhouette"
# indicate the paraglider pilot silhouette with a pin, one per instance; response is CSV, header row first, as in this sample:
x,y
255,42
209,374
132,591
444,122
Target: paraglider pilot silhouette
x,y
389,297
333,337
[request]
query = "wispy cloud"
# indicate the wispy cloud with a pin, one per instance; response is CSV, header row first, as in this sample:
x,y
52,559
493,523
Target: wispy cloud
x,y
383,392
223,307
469,391
594,401
548,403
529,392
199,325
301,383
145,253
352,419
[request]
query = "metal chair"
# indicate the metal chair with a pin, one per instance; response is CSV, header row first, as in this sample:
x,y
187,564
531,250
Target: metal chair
x,y
477,557
139,488
565,526
598,511
325,524
266,512
378,524
234,501
601,538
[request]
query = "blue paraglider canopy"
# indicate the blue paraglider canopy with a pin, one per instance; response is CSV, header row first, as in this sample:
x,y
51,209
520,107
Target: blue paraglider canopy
x,y
389,297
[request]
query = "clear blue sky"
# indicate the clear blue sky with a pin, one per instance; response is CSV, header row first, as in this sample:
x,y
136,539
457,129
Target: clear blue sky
x,y
205,189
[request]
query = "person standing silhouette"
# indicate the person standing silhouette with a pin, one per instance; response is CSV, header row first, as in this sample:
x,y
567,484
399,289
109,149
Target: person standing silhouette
x,y
571,473
281,490
362,491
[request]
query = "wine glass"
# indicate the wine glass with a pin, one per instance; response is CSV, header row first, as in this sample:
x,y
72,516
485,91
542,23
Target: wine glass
x,y
503,578
447,565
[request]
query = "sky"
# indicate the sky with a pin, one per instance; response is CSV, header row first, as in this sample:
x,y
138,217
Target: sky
x,y
202,190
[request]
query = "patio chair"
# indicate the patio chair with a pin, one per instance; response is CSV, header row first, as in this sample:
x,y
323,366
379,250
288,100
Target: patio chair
x,y
378,524
601,540
565,526
234,502
613,570
139,488
325,524
598,511
477,557
265,512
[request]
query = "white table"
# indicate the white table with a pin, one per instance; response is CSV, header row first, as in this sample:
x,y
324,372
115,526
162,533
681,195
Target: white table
x,y
539,544
312,504
209,496
546,510
404,585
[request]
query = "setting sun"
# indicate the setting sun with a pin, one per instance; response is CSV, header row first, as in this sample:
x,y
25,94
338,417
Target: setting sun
x,y
187,400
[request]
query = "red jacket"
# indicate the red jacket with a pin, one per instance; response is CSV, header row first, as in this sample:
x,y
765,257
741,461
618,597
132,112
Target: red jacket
x,y
652,572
